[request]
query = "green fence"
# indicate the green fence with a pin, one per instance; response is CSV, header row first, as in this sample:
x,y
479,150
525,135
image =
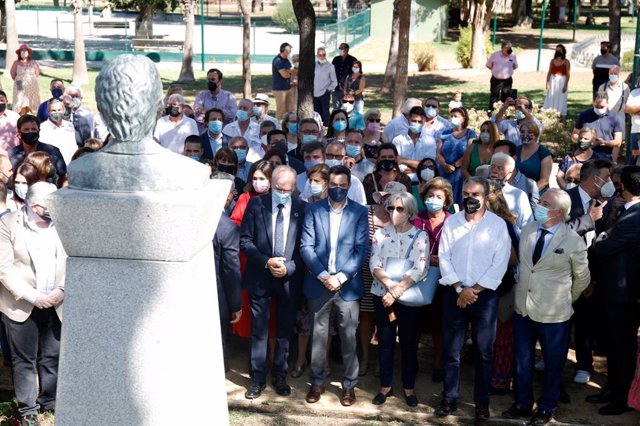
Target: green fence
x,y
353,30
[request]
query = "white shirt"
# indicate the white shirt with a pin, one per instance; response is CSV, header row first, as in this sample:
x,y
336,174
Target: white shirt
x,y
628,205
356,189
474,254
431,133
586,205
519,205
215,143
43,247
335,220
267,118
634,100
286,214
397,126
63,137
172,136
324,79
414,151
251,134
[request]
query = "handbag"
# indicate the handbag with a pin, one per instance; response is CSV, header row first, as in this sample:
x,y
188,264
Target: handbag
x,y
422,292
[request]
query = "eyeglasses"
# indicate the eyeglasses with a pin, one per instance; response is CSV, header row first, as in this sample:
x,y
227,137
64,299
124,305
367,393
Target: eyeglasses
x,y
334,156
390,209
373,120
431,106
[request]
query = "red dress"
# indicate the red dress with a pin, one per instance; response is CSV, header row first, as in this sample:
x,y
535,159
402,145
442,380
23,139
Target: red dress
x,y
243,327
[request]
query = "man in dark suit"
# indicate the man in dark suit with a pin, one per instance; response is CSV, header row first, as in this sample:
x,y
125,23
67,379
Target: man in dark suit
x,y
617,251
277,139
270,239
81,123
588,201
335,241
226,249
212,138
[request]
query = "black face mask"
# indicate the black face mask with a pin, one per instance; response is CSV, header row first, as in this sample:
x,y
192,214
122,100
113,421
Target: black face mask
x,y
173,111
282,147
212,86
30,138
226,168
370,151
604,51
387,165
558,55
3,107
471,205
509,51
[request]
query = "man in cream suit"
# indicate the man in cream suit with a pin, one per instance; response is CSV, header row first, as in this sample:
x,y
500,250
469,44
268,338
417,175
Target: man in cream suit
x,y
553,273
32,272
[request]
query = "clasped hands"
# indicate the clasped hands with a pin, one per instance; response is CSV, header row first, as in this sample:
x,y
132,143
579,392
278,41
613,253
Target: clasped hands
x,y
394,291
276,267
467,297
45,301
331,283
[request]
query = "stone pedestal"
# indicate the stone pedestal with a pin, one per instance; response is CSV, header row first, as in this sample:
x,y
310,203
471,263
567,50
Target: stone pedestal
x,y
140,333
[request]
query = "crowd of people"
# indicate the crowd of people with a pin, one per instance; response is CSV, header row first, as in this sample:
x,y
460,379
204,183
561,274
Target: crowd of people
x,y
340,228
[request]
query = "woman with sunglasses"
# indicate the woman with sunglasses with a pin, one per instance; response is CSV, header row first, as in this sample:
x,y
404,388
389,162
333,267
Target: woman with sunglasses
x,y
373,134
392,245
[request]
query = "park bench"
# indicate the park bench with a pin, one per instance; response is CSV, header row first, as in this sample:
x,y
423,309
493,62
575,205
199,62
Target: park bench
x,y
112,24
156,43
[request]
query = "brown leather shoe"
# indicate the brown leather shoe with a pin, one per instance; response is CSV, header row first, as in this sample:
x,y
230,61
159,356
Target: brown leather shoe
x,y
348,397
314,394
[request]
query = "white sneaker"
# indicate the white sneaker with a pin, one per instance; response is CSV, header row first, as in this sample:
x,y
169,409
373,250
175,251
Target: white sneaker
x,y
582,376
539,365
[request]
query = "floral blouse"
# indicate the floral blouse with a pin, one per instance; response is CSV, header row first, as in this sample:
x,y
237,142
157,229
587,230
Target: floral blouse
x,y
387,242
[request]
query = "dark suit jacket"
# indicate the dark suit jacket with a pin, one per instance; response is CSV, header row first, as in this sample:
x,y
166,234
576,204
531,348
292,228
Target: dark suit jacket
x,y
296,164
226,248
256,242
353,246
618,255
82,128
579,220
208,153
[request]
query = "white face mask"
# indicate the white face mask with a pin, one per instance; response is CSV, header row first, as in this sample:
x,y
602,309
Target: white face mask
x,y
355,69
427,174
333,162
570,185
485,137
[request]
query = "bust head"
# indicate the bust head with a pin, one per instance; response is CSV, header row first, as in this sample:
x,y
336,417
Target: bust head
x,y
129,96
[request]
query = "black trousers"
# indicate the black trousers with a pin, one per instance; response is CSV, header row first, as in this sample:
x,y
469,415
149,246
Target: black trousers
x,y
623,320
35,349
500,90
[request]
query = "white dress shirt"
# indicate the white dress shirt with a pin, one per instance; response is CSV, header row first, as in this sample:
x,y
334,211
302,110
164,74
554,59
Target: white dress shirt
x,y
43,249
547,238
356,189
335,220
286,214
519,205
172,135
474,253
251,134
63,137
414,151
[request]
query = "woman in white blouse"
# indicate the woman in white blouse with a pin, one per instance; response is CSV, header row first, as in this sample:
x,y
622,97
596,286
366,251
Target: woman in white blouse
x,y
395,242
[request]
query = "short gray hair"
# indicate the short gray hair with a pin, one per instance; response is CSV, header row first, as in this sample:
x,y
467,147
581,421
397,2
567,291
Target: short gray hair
x,y
408,202
601,95
175,97
478,179
508,160
563,201
246,101
283,169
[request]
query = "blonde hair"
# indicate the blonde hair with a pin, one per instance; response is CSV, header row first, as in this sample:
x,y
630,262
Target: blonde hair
x,y
497,204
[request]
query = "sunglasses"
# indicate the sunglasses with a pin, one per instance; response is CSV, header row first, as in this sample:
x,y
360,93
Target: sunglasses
x,y
374,120
390,209
348,102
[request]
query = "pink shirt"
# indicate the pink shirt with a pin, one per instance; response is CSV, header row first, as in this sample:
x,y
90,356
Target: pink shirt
x,y
8,131
502,67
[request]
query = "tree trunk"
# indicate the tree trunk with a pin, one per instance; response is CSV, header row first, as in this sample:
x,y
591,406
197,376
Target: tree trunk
x,y
144,21
478,55
306,17
12,34
186,73
400,88
80,76
3,21
392,60
90,14
245,8
614,27
56,3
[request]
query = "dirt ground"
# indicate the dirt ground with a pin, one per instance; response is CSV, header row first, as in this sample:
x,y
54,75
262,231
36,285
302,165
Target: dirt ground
x,y
271,409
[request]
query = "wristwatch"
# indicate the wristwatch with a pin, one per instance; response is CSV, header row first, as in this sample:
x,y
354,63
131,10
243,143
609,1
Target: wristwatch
x,y
459,289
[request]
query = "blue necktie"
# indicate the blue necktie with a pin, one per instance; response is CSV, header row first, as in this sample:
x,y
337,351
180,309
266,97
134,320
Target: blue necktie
x,y
278,249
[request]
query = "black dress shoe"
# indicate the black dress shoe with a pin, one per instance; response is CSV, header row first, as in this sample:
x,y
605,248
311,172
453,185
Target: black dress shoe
x,y
541,418
601,398
614,409
254,391
412,400
381,398
446,408
281,386
482,413
564,397
515,412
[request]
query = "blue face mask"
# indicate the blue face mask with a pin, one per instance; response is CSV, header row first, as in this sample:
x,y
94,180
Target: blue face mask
x,y
431,112
308,138
339,125
279,198
293,128
194,157
215,126
541,214
316,189
519,115
352,150
433,204
309,164
337,195
257,111
456,121
415,128
241,154
242,115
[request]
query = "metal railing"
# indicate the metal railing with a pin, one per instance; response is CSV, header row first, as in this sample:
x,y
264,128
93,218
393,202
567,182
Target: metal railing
x,y
353,30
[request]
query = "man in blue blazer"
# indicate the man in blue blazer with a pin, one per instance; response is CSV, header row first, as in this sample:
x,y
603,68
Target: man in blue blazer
x,y
270,239
335,241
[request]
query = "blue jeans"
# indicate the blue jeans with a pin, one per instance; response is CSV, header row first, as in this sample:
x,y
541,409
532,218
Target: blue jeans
x,y
406,324
554,341
482,315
